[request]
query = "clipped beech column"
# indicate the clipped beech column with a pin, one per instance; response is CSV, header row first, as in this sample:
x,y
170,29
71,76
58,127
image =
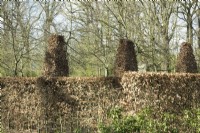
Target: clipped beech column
x,y
126,58
186,60
56,63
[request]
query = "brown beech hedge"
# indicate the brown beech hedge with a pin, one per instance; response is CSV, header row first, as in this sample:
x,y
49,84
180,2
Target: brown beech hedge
x,y
64,104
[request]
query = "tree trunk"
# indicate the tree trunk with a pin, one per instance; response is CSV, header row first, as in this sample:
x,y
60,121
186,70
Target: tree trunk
x,y
199,31
189,28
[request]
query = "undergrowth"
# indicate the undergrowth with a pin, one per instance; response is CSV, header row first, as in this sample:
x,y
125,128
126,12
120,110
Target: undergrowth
x,y
149,122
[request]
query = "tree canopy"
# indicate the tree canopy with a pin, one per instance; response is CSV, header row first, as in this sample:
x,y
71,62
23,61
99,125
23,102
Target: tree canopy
x,y
92,30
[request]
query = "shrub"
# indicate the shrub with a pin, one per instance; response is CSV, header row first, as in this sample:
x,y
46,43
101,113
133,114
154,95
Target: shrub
x,y
125,58
56,63
186,60
119,124
145,121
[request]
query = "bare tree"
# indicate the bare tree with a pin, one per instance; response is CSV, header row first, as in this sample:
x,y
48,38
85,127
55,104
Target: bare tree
x,y
17,25
188,9
50,9
92,31
198,32
157,31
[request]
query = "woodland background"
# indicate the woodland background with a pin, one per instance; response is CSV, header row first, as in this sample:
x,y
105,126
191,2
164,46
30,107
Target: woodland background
x,y
92,30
